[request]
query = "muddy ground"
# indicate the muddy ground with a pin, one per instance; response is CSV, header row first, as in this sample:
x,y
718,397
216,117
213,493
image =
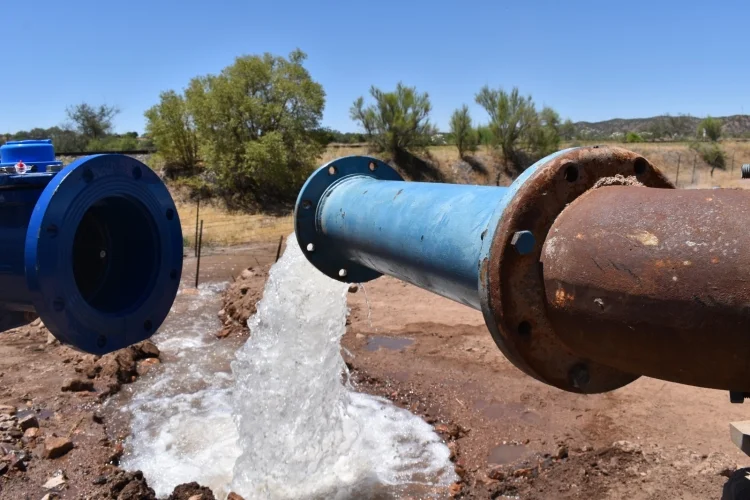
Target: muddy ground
x,y
512,437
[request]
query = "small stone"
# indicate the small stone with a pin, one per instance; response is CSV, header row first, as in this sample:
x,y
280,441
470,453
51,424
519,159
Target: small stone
x,y
247,274
7,410
455,489
99,480
562,452
18,464
234,496
51,339
54,482
77,384
145,365
196,497
453,447
224,332
49,496
148,349
360,336
28,422
55,447
116,455
97,417
496,473
31,433
353,288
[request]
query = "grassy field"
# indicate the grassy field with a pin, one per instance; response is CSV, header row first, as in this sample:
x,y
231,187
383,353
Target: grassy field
x,y
221,228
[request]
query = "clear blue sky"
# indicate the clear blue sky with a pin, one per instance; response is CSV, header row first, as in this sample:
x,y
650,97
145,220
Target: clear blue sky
x,y
589,60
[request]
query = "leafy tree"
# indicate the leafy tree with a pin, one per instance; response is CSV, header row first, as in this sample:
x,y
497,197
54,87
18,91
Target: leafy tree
x,y
464,134
518,130
544,135
172,129
633,137
711,127
397,121
255,124
511,118
91,122
568,130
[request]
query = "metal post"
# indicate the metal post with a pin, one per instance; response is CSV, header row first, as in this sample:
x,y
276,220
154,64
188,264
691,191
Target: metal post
x,y
197,213
677,177
695,160
198,263
278,250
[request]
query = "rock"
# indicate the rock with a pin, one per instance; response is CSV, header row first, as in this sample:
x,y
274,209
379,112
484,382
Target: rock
x,y
130,486
234,496
455,489
55,447
146,349
55,482
147,364
453,447
483,480
3,468
49,496
116,455
28,422
97,417
77,384
51,339
119,365
626,446
224,332
18,464
191,491
31,433
247,274
7,410
353,288
99,480
496,473
89,368
562,452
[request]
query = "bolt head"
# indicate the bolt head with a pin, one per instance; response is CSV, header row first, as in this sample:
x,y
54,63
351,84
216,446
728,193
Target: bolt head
x,y
523,242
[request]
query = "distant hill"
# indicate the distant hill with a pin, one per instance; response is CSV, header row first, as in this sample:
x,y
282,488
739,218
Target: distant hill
x,y
665,126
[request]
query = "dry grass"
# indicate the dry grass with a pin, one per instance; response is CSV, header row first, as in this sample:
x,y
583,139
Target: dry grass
x,y
222,228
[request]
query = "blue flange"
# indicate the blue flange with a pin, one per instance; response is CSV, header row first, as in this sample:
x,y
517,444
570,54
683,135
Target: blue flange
x,y
331,262
103,253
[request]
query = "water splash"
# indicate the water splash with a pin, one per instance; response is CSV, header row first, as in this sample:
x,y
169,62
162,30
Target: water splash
x,y
304,433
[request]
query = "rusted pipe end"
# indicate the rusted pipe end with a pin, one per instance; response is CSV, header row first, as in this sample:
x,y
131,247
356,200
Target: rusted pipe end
x,y
512,284
654,282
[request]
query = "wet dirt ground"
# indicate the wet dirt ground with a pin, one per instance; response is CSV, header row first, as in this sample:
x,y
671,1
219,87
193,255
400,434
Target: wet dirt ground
x,y
512,437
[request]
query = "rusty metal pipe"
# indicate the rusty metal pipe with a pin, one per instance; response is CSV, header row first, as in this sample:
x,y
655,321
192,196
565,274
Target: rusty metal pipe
x,y
654,282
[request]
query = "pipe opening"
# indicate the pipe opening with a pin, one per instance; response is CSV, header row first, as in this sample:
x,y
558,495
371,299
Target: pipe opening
x,y
115,254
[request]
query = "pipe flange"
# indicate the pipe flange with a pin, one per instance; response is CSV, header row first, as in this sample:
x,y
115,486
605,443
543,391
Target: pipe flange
x,y
511,282
103,253
310,236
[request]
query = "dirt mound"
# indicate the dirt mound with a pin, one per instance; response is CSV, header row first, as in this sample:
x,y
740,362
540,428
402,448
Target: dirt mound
x,y
240,299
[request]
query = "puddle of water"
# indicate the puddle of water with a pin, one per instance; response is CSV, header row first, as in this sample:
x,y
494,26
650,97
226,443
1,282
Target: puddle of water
x,y
272,419
500,411
506,454
392,343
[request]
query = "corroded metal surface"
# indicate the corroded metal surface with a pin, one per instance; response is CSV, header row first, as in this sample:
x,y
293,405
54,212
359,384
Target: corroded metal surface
x,y
655,282
512,287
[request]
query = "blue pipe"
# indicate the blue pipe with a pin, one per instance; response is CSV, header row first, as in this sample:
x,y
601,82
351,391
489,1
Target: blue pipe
x,y
94,249
370,221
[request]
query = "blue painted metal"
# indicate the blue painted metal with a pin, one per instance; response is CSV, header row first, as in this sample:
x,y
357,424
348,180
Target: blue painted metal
x,y
362,225
95,250
38,155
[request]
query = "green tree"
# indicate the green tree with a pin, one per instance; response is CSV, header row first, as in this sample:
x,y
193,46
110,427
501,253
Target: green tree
x,y
92,122
511,118
568,130
255,123
172,129
463,133
711,127
633,137
544,135
397,121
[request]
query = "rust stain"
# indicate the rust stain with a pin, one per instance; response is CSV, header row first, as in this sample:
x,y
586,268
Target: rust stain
x,y
562,297
644,238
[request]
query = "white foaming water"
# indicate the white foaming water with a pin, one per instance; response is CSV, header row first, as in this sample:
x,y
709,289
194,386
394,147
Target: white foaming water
x,y
303,431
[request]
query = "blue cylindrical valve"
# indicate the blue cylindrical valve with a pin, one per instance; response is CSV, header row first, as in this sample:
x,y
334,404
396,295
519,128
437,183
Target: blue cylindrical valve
x,y
94,248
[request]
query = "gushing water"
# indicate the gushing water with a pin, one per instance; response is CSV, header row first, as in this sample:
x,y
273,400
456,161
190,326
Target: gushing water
x,y
299,430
